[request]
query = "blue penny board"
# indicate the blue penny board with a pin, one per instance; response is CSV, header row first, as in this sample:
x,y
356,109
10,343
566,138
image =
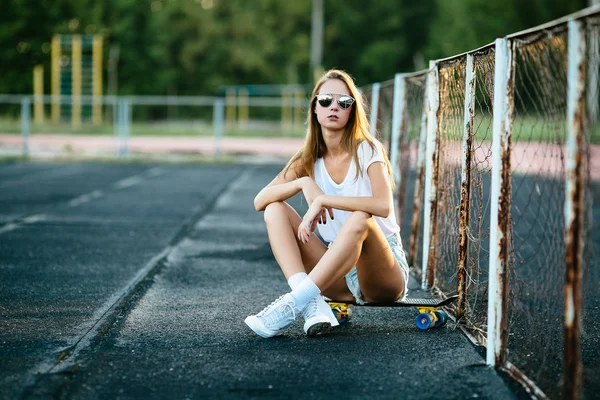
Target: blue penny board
x,y
408,302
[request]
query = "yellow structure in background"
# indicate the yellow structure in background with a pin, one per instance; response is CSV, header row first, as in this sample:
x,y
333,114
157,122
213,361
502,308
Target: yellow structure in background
x,y
76,71
243,105
55,79
38,93
76,81
292,113
286,111
230,113
97,79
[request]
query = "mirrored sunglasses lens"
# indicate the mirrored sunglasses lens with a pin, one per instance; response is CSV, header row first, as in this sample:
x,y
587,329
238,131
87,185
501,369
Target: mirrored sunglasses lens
x,y
324,100
345,101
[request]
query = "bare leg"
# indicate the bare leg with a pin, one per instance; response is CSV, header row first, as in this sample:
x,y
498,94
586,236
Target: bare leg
x,y
292,256
360,242
379,274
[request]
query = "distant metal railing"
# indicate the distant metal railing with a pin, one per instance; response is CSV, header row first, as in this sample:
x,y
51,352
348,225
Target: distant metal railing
x,y
122,114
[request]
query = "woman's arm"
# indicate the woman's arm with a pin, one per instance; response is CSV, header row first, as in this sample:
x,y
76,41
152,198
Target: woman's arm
x,y
286,185
281,188
371,205
380,204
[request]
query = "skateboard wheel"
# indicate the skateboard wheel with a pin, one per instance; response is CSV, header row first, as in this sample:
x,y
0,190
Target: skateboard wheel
x,y
442,318
424,321
348,315
342,312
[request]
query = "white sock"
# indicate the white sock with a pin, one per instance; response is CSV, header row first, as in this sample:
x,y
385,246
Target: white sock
x,y
304,292
296,279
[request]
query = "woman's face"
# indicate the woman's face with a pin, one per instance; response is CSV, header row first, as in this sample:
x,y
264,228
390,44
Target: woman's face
x,y
333,117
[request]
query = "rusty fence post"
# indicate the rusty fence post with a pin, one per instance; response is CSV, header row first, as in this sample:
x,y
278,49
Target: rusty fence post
x,y
497,324
398,125
419,183
430,195
574,208
465,187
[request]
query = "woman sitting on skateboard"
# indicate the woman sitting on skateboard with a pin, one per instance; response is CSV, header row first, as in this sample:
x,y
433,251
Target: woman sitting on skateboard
x,y
345,176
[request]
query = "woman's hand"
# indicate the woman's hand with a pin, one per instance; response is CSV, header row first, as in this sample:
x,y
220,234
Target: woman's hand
x,y
309,189
316,213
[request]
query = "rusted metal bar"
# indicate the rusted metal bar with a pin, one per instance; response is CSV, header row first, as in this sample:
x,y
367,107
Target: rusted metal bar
x,y
574,208
465,188
398,130
419,183
374,109
500,204
431,158
534,391
459,57
586,12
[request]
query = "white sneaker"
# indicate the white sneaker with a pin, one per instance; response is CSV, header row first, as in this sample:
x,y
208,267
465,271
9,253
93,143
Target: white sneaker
x,y
318,317
275,318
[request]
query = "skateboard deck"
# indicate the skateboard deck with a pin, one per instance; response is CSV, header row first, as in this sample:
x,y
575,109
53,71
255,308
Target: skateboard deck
x,y
430,315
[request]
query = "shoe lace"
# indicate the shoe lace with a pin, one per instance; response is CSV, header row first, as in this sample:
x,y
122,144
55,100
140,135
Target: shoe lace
x,y
272,314
312,308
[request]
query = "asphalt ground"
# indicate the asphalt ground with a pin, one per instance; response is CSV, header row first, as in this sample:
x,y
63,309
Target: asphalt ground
x,y
133,281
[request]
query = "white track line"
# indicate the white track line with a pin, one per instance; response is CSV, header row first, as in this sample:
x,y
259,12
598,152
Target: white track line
x,y
127,182
85,198
9,227
153,172
35,218
27,220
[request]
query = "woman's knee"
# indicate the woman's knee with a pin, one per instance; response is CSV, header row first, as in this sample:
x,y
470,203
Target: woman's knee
x,y
275,212
358,221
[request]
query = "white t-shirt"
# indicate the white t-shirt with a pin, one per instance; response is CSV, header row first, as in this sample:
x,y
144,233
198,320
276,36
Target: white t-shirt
x,y
350,187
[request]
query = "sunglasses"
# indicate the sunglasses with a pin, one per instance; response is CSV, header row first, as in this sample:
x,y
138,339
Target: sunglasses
x,y
345,101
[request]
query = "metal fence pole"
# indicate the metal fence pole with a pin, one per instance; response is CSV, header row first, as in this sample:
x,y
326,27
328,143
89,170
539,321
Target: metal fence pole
x,y
497,325
122,127
430,195
218,124
398,114
25,123
374,109
127,121
574,208
465,187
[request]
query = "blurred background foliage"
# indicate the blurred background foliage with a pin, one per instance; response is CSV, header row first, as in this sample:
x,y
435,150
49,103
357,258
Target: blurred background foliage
x,y
194,47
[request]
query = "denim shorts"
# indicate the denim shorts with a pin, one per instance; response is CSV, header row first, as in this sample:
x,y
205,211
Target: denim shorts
x,y
396,246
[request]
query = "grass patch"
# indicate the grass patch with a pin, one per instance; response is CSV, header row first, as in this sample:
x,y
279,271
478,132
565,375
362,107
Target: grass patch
x,y
159,129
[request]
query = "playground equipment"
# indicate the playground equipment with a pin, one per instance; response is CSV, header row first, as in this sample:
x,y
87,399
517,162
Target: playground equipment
x,y
76,71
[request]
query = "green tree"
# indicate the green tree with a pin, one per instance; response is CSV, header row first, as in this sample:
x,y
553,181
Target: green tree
x,y
463,25
374,42
192,47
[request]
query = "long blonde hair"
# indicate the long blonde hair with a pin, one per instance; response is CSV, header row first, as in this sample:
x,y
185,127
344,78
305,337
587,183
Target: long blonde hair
x,y
355,132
